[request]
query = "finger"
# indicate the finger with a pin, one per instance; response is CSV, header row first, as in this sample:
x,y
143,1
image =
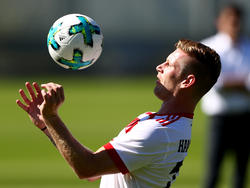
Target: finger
x,y
25,98
49,85
53,95
52,89
20,104
58,92
37,88
43,86
46,89
31,91
44,95
61,93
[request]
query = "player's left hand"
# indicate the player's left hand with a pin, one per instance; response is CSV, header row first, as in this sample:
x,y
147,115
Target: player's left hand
x,y
53,96
31,104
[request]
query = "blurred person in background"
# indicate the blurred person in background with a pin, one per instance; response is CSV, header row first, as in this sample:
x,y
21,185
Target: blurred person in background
x,y
228,102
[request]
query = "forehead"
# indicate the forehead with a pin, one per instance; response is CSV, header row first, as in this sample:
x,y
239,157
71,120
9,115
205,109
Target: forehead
x,y
177,54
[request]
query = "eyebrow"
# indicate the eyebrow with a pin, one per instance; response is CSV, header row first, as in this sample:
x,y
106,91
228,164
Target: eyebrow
x,y
169,57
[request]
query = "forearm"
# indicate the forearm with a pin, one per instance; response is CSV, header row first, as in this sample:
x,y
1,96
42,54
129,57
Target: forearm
x,y
46,132
78,156
84,162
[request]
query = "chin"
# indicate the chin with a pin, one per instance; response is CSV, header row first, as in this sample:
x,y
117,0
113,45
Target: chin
x,y
162,93
159,93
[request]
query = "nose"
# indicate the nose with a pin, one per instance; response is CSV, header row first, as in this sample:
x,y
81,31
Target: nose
x,y
159,68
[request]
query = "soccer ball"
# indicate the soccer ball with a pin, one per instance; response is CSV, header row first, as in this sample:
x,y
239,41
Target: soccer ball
x,y
75,41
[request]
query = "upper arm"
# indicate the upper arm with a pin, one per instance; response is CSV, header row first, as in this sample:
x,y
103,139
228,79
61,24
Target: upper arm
x,y
125,153
107,166
103,163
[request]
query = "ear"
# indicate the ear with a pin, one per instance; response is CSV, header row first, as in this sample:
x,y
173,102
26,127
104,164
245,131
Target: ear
x,y
188,81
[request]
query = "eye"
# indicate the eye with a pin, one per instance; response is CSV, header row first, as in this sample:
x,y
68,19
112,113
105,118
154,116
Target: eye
x,y
166,63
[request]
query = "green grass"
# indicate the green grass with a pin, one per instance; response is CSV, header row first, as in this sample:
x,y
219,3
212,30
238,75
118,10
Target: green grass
x,y
95,110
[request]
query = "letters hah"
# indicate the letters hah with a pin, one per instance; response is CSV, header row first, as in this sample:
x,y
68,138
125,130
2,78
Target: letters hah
x,y
183,145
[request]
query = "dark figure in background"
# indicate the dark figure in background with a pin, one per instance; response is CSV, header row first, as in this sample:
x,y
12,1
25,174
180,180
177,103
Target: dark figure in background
x,y
228,102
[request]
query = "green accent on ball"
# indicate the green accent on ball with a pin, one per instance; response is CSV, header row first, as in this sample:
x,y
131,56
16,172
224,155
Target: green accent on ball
x,y
86,28
76,63
51,40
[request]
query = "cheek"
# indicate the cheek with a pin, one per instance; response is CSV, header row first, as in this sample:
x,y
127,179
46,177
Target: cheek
x,y
169,81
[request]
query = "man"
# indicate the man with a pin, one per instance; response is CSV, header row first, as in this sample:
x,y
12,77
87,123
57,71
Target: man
x,y
151,149
228,103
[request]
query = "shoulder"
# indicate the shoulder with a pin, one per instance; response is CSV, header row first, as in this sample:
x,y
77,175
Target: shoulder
x,y
155,126
144,127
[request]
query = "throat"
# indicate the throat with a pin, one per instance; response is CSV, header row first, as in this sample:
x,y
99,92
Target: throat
x,y
176,106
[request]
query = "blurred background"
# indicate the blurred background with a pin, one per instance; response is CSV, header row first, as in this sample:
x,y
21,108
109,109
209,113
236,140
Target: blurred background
x,y
138,35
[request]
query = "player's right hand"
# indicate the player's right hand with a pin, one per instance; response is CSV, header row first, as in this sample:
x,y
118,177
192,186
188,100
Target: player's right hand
x,y
31,105
53,96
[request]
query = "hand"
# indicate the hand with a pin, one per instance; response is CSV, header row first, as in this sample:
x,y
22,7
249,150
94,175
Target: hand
x,y
32,106
53,98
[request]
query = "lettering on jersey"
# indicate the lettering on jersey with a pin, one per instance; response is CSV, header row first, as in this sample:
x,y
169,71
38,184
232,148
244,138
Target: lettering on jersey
x,y
183,145
174,172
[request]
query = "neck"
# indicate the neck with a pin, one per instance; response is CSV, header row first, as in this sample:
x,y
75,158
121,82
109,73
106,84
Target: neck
x,y
177,106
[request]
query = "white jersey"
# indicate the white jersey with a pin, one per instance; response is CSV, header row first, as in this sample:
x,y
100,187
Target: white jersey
x,y
149,151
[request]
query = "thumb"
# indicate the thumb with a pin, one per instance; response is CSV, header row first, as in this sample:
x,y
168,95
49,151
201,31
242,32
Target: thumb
x,y
44,95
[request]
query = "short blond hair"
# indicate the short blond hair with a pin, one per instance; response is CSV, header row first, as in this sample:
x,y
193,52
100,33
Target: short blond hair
x,y
206,67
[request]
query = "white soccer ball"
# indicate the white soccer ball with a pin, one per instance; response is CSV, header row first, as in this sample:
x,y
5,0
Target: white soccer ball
x,y
75,41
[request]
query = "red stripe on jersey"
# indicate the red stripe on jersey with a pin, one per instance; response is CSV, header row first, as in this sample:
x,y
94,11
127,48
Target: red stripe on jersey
x,y
170,120
116,158
131,124
166,119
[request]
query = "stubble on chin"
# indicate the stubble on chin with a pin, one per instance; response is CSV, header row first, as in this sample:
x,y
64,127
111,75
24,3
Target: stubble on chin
x,y
159,91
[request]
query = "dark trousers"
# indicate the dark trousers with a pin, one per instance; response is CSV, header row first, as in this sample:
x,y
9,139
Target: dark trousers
x,y
229,133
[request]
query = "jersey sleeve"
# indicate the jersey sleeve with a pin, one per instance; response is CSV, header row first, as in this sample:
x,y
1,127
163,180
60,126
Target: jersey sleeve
x,y
138,147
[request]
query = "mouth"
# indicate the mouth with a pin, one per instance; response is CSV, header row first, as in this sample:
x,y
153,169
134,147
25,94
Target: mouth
x,y
158,82
157,79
